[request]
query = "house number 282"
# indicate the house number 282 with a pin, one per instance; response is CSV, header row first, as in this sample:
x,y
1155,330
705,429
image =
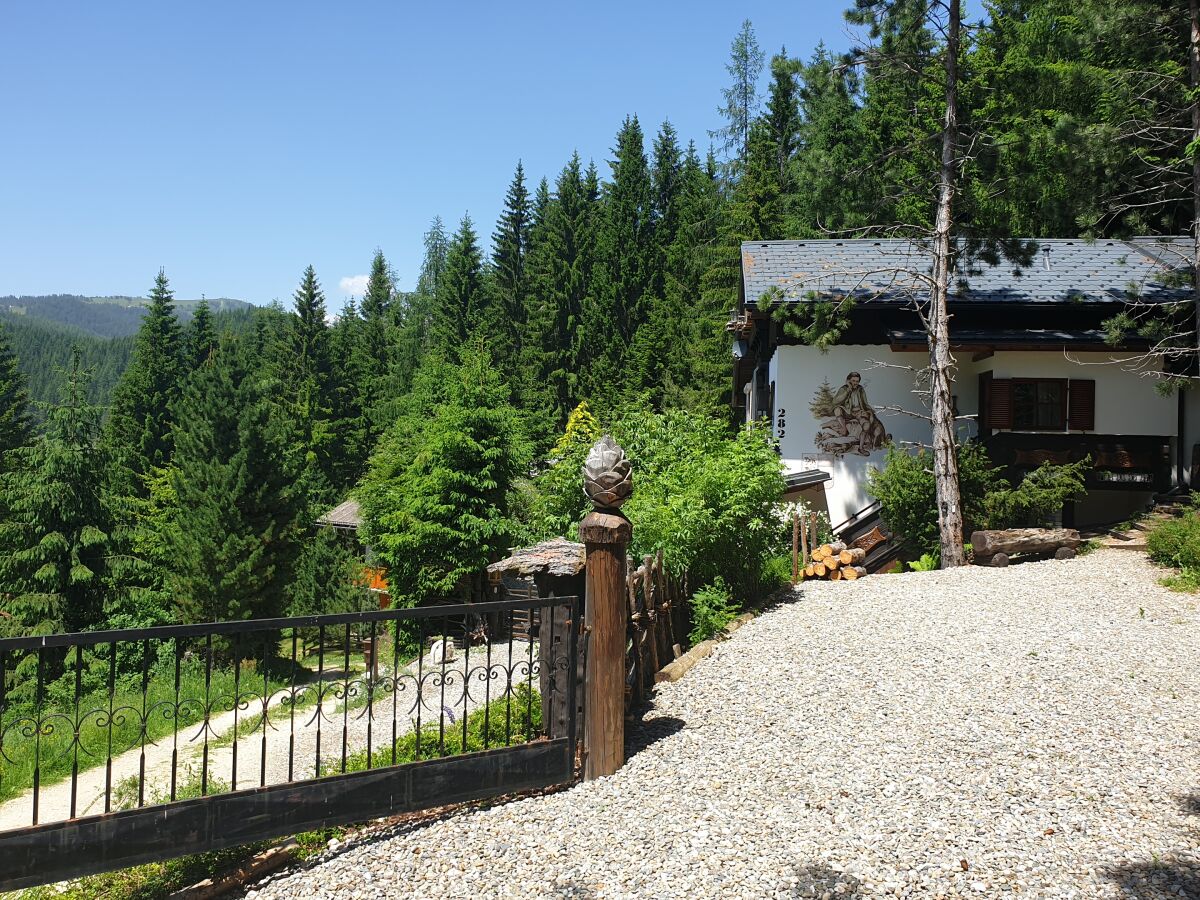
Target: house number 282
x,y
781,422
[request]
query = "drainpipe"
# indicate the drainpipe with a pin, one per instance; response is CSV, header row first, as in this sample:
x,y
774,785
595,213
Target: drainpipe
x,y
748,391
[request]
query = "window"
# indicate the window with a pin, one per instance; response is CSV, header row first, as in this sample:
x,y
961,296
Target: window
x,y
1039,404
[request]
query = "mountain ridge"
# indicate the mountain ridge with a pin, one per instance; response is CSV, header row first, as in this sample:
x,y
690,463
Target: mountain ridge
x,y
111,316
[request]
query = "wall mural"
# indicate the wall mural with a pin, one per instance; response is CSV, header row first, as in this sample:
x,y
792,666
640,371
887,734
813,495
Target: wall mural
x,y
848,422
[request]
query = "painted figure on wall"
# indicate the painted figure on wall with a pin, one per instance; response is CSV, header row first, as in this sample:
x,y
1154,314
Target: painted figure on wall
x,y
848,421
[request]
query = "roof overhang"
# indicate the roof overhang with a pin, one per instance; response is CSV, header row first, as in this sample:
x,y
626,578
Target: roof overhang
x,y
992,340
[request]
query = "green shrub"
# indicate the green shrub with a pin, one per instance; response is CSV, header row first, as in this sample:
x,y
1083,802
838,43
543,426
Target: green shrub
x,y
908,496
712,609
1176,542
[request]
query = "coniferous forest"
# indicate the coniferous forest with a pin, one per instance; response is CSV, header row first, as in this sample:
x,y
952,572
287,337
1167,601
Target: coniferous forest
x,y
186,487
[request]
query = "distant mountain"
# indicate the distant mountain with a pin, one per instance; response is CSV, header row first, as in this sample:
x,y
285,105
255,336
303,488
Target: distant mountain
x,y
102,316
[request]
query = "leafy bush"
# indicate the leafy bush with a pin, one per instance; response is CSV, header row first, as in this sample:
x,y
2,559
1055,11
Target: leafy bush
x,y
1176,542
908,496
712,609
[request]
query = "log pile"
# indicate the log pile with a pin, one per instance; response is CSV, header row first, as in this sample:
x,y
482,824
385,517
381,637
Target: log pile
x,y
836,561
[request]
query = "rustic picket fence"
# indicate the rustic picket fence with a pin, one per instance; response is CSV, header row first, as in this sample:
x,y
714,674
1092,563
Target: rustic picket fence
x,y
657,613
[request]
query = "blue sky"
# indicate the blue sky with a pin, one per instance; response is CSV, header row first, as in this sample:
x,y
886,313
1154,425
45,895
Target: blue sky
x,y
235,143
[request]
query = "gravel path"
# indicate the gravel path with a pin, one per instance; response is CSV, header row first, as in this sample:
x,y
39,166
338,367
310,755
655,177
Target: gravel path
x,y
1028,732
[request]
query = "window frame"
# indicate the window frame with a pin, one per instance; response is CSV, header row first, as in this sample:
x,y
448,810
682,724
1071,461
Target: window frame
x,y
1063,410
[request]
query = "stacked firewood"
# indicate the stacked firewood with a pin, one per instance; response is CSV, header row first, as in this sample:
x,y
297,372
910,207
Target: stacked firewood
x,y
836,561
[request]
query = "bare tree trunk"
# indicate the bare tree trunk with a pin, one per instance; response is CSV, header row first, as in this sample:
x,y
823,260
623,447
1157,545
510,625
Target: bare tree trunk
x,y
1194,65
941,362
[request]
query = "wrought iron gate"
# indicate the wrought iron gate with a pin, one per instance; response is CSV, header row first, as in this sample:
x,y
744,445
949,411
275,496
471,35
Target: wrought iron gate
x,y
124,747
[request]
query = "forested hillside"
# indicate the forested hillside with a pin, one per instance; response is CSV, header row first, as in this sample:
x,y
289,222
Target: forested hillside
x,y
609,282
100,316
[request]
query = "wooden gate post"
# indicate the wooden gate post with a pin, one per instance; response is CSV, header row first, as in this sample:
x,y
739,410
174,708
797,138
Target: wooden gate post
x,y
605,532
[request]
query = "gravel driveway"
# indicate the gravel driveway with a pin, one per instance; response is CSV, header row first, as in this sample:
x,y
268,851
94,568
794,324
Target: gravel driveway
x,y
1028,732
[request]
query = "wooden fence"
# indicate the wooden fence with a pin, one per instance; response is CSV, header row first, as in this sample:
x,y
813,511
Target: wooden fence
x,y
656,625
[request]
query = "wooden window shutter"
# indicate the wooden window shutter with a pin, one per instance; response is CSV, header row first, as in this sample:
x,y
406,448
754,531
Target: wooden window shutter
x,y
1081,405
1000,403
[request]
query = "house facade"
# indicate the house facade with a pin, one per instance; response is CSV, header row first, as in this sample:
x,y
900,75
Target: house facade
x,y
1035,379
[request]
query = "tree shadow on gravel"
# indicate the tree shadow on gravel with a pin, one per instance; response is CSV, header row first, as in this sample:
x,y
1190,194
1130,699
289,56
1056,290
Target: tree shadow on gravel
x,y
1168,875
648,732
817,880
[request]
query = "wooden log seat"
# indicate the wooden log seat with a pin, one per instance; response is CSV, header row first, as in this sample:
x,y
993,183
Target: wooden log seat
x,y
990,544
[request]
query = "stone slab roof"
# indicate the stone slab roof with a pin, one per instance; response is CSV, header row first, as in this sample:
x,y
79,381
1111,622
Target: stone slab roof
x,y
1063,271
345,515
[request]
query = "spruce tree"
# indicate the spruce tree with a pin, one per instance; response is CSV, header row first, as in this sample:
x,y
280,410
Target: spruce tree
x,y
435,500
460,297
782,116
54,531
328,577
510,249
561,263
14,402
625,256
201,335
232,540
309,383
139,426
741,97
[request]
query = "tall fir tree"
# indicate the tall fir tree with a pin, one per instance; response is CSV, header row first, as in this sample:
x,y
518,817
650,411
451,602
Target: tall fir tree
x,y
54,531
15,427
741,97
510,251
561,261
625,260
138,432
435,500
461,292
782,115
201,335
232,541
308,381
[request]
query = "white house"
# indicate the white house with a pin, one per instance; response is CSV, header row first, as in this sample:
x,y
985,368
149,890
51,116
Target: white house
x,y
1035,379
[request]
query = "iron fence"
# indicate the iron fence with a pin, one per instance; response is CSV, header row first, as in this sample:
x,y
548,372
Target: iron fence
x,y
121,747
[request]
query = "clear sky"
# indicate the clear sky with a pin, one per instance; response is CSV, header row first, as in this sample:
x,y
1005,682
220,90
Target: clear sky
x,y
235,143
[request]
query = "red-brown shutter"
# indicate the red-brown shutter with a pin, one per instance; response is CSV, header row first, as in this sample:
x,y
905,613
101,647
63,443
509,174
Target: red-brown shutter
x,y
1000,403
1081,405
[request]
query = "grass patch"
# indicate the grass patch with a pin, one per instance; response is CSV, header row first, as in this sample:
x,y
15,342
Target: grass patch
x,y
1185,581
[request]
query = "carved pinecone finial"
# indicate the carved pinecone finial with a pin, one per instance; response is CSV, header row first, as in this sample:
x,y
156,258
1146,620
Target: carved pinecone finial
x,y
607,475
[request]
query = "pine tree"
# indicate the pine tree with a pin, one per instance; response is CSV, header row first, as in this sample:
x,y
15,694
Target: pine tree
x,y
329,577
435,498
381,288
139,426
308,382
460,295
782,115
232,541
560,264
14,402
625,257
54,533
201,335
510,251
741,97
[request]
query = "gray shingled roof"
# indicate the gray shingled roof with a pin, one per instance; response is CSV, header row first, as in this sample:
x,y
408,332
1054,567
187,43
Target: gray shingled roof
x,y
1063,270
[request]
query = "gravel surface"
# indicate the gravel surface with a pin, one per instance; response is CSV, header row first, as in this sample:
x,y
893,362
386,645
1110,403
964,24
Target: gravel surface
x,y
1028,731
